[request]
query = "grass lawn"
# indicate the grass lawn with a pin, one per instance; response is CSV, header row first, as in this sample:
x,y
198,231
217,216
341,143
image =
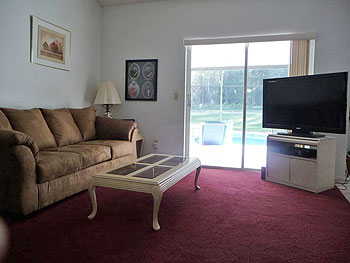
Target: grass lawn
x,y
254,118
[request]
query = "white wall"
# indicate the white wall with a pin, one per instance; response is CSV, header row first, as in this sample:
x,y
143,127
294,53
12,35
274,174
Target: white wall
x,y
157,30
25,85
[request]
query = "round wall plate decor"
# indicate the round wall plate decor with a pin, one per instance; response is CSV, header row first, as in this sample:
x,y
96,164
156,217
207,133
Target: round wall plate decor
x,y
147,89
134,71
148,70
134,89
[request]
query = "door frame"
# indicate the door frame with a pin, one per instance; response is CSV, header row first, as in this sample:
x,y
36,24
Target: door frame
x,y
187,105
231,40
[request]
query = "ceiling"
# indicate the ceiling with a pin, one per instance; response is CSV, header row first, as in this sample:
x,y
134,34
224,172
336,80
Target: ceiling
x,y
124,2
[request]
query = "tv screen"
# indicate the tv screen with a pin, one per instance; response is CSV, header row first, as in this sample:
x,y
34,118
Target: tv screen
x,y
306,103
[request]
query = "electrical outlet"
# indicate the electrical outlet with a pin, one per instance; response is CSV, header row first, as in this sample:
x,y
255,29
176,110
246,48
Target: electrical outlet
x,y
155,144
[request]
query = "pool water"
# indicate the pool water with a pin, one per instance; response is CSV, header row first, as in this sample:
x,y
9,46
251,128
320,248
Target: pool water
x,y
250,140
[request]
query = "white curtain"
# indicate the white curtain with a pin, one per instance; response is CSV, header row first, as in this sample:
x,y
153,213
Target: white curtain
x,y
299,58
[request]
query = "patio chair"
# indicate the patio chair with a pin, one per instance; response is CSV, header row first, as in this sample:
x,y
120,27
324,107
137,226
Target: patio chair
x,y
213,133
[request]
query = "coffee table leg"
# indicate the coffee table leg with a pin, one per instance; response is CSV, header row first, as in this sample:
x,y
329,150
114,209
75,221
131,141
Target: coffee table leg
x,y
157,198
92,194
196,179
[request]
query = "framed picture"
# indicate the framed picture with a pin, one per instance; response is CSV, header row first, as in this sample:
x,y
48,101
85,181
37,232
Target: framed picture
x,y
141,79
50,44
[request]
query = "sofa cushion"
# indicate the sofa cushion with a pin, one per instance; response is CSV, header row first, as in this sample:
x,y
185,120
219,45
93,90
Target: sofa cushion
x,y
62,126
90,154
4,122
32,123
56,164
85,120
119,148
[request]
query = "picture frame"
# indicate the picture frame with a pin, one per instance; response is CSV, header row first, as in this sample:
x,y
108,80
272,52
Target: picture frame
x,y
141,79
50,44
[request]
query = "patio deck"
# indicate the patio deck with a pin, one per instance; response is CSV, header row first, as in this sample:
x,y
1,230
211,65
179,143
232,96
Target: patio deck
x,y
230,152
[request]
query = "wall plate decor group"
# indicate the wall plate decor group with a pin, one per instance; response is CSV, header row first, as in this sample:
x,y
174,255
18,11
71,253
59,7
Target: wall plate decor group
x,y
50,44
141,79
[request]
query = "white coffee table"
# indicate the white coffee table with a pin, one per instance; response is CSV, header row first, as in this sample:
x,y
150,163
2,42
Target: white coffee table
x,y
153,173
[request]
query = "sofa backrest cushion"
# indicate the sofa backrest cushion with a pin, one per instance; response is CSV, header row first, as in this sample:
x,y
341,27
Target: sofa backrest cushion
x,y
85,120
4,122
32,123
62,126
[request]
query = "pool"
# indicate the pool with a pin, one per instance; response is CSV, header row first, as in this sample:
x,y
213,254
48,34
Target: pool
x,y
250,139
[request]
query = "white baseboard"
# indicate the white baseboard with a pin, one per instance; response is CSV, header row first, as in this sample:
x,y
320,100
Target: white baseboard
x,y
340,178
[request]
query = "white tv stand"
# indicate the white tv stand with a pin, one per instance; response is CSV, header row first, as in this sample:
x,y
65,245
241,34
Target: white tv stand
x,y
305,163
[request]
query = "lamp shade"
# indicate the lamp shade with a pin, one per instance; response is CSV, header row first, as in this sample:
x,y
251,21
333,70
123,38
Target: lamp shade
x,y
107,94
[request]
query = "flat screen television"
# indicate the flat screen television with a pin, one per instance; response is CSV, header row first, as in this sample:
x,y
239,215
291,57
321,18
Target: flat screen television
x,y
306,104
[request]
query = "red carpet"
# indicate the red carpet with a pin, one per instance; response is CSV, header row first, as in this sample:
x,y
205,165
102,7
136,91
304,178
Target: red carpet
x,y
234,217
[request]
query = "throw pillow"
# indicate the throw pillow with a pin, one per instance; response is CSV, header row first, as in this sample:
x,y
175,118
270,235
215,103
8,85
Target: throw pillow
x,y
85,120
32,123
62,126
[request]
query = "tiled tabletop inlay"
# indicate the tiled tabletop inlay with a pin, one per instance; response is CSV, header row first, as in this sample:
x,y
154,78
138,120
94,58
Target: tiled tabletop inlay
x,y
127,169
150,167
152,172
174,161
153,159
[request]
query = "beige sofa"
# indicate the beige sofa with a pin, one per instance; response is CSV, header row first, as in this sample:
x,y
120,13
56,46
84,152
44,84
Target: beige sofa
x,y
47,155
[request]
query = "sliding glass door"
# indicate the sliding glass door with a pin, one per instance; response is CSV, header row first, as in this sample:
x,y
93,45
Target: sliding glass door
x,y
224,120
265,60
216,116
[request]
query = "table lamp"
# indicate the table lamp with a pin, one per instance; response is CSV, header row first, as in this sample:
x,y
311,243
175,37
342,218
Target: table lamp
x,y
107,95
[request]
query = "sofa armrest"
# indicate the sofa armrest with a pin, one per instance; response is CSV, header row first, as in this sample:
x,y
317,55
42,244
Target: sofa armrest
x,y
114,129
10,138
18,188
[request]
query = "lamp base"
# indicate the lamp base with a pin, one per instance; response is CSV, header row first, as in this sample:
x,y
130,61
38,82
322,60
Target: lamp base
x,y
108,113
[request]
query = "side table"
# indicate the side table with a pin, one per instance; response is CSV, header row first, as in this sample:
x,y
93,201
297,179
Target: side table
x,y
140,140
